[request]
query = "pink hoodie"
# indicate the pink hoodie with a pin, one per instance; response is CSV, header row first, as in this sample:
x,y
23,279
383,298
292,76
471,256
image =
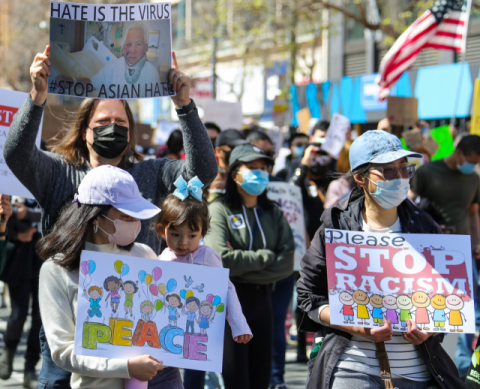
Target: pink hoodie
x,y
206,256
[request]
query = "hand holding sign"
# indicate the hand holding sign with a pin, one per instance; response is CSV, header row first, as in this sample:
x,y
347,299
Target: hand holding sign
x,y
180,83
39,72
144,367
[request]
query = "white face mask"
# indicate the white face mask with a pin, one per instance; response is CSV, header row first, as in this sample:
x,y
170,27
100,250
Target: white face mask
x,y
125,232
392,193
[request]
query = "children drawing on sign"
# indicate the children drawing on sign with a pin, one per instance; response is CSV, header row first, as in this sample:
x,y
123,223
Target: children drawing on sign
x,y
192,304
94,296
361,298
455,304
185,220
390,303
112,285
404,302
422,317
206,310
347,300
130,288
173,302
146,309
439,306
376,301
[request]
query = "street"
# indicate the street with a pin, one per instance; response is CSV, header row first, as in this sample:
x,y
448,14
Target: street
x,y
295,377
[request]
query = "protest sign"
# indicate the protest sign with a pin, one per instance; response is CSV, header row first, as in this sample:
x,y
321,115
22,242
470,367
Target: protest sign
x,y
475,126
336,135
131,306
304,116
426,278
402,111
444,139
223,114
10,102
413,138
289,198
110,51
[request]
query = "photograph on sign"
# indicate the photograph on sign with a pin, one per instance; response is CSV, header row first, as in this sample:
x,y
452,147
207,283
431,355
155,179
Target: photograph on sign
x,y
110,51
10,103
289,199
373,277
131,306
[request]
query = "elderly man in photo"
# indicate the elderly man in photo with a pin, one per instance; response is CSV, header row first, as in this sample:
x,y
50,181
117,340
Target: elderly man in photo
x,y
133,66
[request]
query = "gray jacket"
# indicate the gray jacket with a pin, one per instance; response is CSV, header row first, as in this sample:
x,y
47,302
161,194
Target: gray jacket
x,y
53,181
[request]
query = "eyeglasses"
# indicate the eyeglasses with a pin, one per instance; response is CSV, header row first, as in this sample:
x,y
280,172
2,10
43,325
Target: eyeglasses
x,y
321,160
391,173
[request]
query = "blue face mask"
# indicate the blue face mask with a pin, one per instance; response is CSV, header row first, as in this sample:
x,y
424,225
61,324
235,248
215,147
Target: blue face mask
x,y
299,150
391,193
254,181
467,167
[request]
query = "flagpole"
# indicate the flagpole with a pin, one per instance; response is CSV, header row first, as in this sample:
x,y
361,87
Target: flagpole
x,y
464,54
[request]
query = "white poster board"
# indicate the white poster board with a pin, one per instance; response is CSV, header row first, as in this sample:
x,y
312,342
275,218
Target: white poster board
x,y
336,135
426,278
110,51
289,198
223,114
10,102
143,315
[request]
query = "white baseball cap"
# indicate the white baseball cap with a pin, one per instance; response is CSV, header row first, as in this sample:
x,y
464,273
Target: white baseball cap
x,y
110,185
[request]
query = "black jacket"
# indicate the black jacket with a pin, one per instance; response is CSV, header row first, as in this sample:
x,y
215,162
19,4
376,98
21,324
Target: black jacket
x,y
312,289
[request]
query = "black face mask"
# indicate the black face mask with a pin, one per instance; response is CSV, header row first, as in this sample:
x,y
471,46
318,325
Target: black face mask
x,y
110,141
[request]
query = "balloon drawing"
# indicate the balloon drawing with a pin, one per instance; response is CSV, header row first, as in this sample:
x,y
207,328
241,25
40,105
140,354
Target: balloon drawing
x,y
141,276
157,273
171,285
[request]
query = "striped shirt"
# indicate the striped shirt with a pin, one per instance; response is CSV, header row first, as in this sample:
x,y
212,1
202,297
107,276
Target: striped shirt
x,y
405,360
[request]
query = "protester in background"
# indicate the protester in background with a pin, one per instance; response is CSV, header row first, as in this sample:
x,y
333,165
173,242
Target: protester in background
x,y
106,195
297,144
173,149
340,187
213,130
20,273
5,213
262,141
422,126
384,125
256,243
319,131
53,178
453,189
226,141
379,203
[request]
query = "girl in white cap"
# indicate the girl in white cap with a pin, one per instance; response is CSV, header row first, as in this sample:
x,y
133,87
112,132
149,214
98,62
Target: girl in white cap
x,y
105,217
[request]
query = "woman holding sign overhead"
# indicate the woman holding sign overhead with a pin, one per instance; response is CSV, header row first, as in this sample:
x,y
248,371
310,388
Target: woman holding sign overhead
x,y
348,356
104,217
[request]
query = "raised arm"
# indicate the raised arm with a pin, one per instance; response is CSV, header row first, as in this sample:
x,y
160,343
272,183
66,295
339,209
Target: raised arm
x,y
33,168
199,154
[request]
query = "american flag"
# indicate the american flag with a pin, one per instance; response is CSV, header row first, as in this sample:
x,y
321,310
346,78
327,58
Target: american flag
x,y
442,27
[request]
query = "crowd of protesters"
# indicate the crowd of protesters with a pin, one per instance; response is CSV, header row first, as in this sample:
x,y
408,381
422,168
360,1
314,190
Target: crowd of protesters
x,y
83,187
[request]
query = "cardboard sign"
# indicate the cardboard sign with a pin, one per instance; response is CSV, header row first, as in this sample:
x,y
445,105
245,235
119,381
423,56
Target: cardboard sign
x,y
131,306
402,111
413,138
289,198
304,116
374,277
336,135
223,114
110,51
10,102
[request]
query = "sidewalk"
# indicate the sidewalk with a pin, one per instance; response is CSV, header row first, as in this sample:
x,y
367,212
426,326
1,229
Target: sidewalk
x,y
295,376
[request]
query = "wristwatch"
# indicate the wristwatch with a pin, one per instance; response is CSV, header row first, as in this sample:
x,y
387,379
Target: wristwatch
x,y
186,108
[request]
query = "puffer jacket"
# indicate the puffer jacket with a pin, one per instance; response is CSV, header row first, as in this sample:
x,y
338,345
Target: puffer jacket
x,y
312,288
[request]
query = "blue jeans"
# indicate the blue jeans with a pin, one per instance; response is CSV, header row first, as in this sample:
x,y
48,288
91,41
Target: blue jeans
x,y
281,297
463,354
349,379
190,324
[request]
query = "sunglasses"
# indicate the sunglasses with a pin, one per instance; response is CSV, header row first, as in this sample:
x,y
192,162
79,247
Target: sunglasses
x,y
391,173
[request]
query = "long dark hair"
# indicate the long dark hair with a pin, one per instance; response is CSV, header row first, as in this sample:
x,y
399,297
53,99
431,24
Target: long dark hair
x,y
69,234
232,197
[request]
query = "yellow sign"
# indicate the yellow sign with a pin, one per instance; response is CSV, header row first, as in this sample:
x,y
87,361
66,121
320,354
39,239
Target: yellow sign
x,y
475,126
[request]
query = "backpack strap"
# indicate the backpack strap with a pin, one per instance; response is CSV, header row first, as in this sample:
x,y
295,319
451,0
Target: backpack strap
x,y
384,363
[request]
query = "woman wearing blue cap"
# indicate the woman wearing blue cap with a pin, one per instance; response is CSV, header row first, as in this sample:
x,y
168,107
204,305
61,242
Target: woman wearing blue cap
x,y
105,217
355,357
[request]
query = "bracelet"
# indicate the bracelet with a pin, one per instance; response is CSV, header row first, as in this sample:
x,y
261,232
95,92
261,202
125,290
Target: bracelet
x,y
2,234
186,108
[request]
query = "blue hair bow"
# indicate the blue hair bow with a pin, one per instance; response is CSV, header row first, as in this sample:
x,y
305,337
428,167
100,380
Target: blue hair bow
x,y
193,187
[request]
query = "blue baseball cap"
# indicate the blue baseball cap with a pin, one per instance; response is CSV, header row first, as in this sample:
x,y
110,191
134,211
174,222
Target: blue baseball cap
x,y
377,146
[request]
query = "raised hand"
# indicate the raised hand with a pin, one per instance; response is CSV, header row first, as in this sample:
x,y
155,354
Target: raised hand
x,y
39,72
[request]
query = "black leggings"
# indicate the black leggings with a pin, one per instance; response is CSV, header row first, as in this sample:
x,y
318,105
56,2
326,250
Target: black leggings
x,y
20,299
249,366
